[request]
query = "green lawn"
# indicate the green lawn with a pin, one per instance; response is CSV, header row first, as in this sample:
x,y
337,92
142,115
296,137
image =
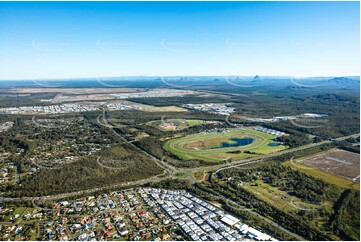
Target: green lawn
x,y
278,198
181,175
21,212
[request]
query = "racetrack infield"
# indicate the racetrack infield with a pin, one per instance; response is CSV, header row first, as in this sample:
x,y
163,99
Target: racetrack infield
x,y
201,146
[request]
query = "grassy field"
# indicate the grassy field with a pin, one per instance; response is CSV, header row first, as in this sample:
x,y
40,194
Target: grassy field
x,y
204,146
21,211
280,199
181,175
200,176
333,179
286,202
175,124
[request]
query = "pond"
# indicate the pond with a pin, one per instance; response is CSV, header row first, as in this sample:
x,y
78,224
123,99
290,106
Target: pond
x,y
274,144
236,142
322,115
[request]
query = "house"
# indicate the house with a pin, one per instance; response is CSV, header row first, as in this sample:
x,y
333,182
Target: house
x,y
165,237
64,203
124,232
109,233
229,220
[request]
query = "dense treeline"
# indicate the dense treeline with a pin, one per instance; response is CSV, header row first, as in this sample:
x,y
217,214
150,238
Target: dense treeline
x,y
171,184
352,145
153,146
343,111
17,100
347,215
120,164
295,140
8,143
305,152
176,101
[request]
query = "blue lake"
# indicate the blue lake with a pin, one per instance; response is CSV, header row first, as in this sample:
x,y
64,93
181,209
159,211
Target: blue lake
x,y
320,114
235,143
274,144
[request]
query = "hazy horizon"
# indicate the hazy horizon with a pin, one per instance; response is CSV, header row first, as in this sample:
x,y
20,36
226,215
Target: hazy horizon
x,y
180,76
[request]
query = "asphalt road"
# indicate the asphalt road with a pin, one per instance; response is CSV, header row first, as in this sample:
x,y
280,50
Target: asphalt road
x,y
170,170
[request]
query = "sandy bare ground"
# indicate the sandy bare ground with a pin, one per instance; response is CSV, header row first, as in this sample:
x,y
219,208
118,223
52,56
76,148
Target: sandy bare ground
x,y
150,108
336,162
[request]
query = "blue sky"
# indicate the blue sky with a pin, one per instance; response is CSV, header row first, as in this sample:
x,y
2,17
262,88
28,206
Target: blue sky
x,y
92,39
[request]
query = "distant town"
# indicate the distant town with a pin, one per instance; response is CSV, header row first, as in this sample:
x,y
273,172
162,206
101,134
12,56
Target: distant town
x,y
93,102
218,108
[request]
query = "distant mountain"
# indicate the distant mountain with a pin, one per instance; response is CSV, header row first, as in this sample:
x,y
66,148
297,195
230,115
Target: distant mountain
x,y
343,81
256,79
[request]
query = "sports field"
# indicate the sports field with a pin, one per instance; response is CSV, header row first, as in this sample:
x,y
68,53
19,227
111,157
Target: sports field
x,y
209,146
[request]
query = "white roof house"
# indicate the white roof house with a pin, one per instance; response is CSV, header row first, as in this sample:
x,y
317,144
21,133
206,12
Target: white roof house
x,y
255,234
230,220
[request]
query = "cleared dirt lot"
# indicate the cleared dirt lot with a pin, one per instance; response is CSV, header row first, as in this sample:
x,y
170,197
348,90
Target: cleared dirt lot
x,y
336,162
